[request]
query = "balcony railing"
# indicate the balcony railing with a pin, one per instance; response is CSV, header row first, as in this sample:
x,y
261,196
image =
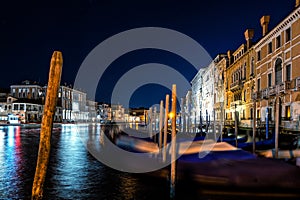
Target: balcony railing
x,y
277,89
256,95
272,90
282,87
265,93
235,85
233,104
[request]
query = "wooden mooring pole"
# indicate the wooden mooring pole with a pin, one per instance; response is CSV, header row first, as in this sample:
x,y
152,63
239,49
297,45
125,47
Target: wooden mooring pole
x,y
47,124
166,126
173,153
254,126
277,121
161,112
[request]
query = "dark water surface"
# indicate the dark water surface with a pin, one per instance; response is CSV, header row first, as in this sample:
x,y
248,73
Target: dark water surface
x,y
73,173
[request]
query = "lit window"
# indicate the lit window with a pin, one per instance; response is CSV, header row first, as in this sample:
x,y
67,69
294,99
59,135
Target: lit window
x,y
258,114
288,112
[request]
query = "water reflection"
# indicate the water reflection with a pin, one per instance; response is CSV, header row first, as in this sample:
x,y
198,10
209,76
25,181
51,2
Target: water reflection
x,y
11,157
73,173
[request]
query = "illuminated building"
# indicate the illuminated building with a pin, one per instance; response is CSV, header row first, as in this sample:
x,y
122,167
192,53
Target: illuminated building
x,y
277,71
196,94
221,63
238,83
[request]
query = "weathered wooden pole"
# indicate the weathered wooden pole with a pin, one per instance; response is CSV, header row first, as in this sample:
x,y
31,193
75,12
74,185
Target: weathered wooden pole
x,y
155,123
188,124
201,124
277,121
221,123
47,124
173,153
254,125
214,126
195,122
166,126
150,123
154,118
161,112
182,116
236,125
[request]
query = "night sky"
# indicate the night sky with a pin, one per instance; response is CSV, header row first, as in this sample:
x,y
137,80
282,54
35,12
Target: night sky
x,y
31,30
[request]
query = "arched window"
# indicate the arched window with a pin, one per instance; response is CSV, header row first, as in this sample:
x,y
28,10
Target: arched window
x,y
278,71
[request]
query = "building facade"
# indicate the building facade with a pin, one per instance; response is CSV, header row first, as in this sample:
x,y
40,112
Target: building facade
x,y
238,83
221,63
246,82
278,74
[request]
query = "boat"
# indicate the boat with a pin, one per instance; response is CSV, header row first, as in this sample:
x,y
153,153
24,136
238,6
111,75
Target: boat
x,y
285,142
10,119
205,164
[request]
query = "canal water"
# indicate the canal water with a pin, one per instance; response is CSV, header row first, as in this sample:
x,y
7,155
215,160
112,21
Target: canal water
x,y
73,173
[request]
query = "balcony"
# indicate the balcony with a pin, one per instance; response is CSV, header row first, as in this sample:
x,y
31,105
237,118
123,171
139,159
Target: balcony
x,y
272,91
282,87
265,93
235,103
256,95
236,85
219,105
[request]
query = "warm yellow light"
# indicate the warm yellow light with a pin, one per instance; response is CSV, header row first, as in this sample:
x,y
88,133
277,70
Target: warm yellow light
x,y
171,115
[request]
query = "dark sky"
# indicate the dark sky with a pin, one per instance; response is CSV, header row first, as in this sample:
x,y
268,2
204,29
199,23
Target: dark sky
x,y
31,30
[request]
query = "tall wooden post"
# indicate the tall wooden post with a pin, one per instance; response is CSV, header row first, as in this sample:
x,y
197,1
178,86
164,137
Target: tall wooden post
x,y
161,111
182,116
47,124
155,124
221,123
195,122
214,125
183,113
201,124
277,121
254,125
166,126
150,123
188,102
236,126
173,154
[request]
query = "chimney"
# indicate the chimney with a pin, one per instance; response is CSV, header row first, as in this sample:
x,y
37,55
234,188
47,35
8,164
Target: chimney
x,y
229,55
264,22
297,3
249,34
